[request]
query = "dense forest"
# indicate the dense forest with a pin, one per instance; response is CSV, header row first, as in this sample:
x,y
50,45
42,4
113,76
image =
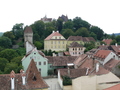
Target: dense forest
x,y
10,57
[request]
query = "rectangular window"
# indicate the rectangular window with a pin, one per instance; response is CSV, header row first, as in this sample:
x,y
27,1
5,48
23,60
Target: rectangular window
x,y
39,63
44,63
40,69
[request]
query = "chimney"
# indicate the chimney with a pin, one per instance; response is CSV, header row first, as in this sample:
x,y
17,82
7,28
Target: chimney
x,y
116,44
97,67
53,31
87,71
12,76
103,44
23,76
58,31
68,70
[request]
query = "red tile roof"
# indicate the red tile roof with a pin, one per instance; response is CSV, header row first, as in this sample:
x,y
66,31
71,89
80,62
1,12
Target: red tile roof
x,y
28,30
100,71
102,53
73,73
33,79
79,59
115,87
32,71
107,41
75,38
115,48
61,60
75,44
111,64
80,38
53,34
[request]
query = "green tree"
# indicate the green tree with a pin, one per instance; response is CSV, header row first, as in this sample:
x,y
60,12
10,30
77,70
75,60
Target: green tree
x,y
39,27
38,45
3,62
118,38
113,42
67,32
92,34
66,80
5,42
59,24
11,66
18,30
8,54
82,32
17,60
68,25
99,32
9,34
89,46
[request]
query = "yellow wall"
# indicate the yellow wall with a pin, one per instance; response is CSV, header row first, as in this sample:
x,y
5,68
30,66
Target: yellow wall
x,y
55,45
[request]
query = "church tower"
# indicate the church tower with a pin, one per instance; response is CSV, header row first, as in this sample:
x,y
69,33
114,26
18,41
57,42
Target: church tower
x,y
28,35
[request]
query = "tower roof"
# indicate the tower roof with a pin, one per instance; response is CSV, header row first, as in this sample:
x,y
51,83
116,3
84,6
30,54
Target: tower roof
x,y
28,30
34,78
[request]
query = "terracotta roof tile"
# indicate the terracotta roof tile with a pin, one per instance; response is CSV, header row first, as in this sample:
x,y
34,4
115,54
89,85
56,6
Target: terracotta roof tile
x,y
115,87
73,73
31,72
107,41
61,60
100,71
79,59
75,44
102,53
111,64
75,38
53,34
80,38
28,30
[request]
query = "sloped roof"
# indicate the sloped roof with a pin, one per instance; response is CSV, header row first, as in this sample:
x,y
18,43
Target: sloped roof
x,y
75,44
79,59
101,71
32,71
61,60
115,48
53,34
103,47
28,30
75,38
107,41
80,38
111,64
73,73
115,87
102,53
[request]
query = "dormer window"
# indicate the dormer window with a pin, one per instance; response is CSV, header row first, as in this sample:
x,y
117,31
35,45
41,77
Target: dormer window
x,y
34,78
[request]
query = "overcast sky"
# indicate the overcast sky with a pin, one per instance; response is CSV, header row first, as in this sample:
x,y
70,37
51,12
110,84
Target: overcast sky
x,y
102,13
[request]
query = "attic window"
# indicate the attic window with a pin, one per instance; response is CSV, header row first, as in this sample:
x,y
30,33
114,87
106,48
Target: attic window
x,y
34,78
34,53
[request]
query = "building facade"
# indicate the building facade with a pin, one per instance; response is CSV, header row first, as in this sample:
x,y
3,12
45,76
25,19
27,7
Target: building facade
x,y
55,42
76,49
